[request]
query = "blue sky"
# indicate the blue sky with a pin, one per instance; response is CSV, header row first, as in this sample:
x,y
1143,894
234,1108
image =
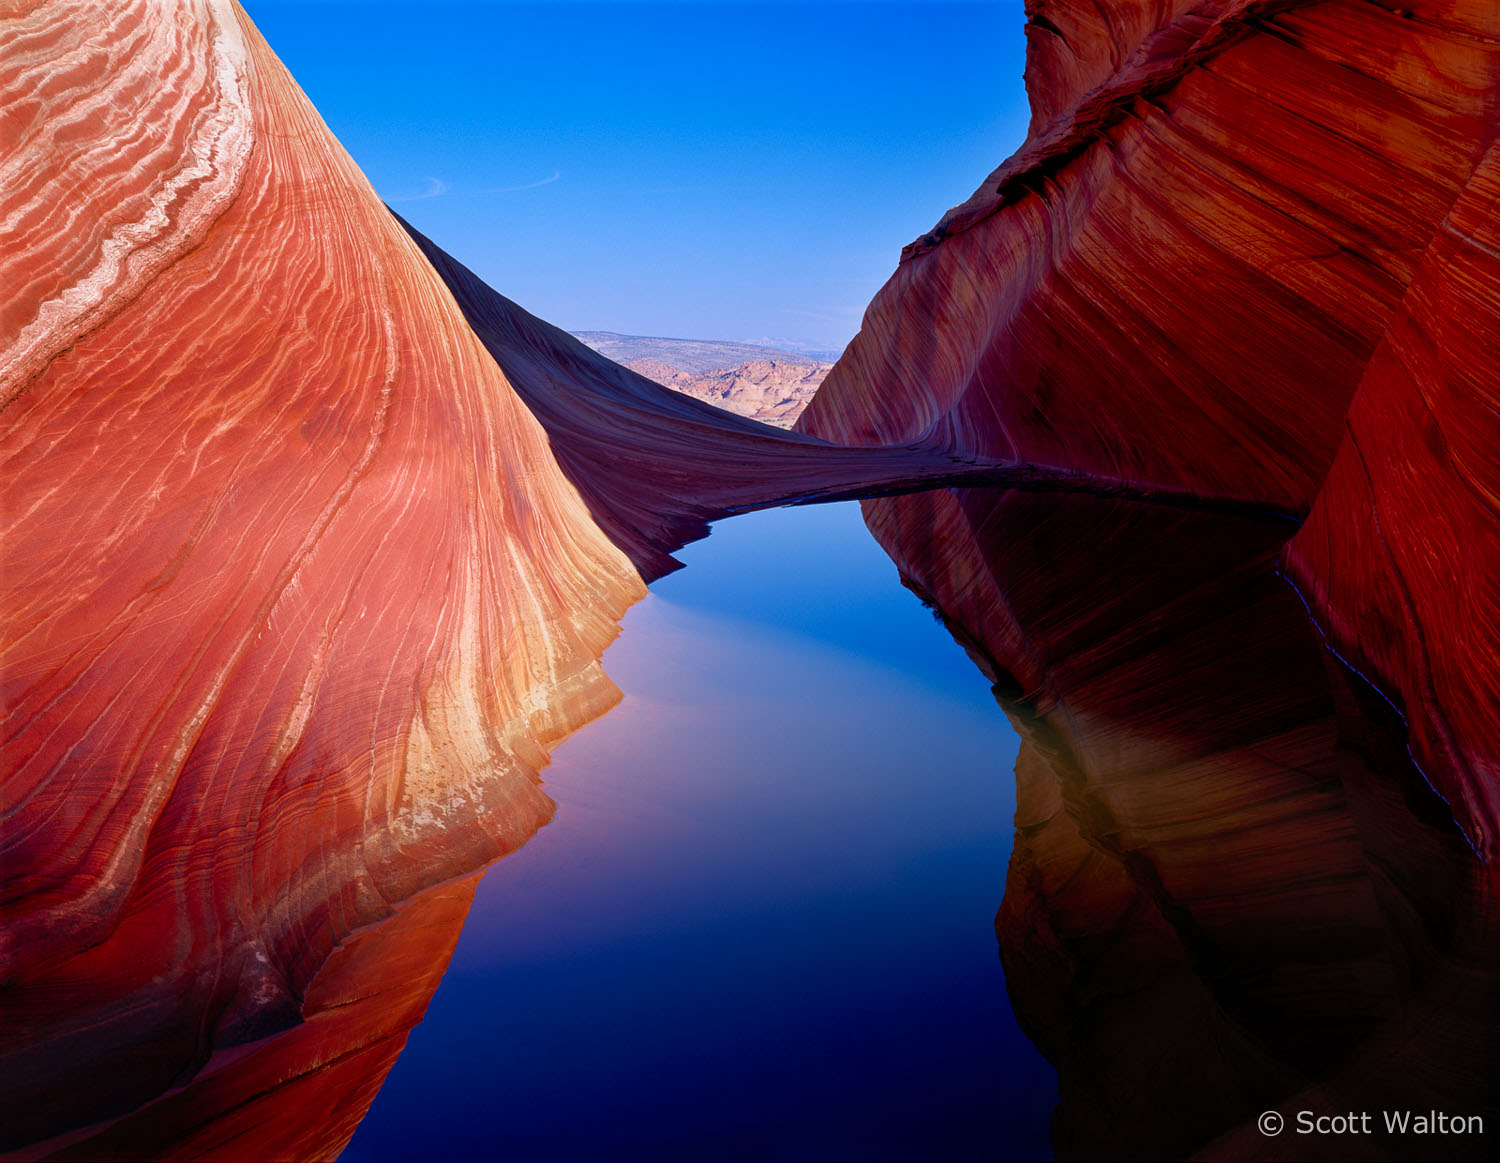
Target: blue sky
x,y
700,169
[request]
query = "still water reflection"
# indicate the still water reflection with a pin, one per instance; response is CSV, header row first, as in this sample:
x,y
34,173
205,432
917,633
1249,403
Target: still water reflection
x,y
761,924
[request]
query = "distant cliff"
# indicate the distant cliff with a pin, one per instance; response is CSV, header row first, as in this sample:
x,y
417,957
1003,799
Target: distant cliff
x,y
768,384
767,390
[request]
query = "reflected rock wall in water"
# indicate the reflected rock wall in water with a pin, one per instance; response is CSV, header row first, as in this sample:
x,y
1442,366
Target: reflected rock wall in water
x,y
1248,251
302,1093
1230,889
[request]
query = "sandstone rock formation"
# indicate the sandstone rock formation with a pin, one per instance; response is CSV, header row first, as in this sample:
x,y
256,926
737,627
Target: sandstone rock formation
x,y
660,373
768,384
1402,550
296,596
302,1092
313,543
1247,248
298,591
1248,252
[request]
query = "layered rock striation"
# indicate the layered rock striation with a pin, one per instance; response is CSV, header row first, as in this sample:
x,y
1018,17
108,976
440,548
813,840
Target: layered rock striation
x,y
313,542
296,598
1400,554
1246,252
312,546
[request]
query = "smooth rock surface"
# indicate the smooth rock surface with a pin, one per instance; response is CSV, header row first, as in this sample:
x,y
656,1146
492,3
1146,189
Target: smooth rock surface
x,y
1248,245
303,579
1400,555
656,466
295,596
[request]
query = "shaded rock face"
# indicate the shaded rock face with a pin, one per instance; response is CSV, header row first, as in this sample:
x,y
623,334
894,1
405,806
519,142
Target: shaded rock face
x,y
313,542
301,1093
296,596
1247,251
1230,890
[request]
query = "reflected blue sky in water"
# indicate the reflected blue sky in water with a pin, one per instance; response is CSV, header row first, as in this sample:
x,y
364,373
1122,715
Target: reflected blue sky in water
x,y
761,924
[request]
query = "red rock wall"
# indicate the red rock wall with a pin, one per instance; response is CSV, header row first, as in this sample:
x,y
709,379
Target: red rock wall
x,y
301,1093
1248,246
1250,250
1179,280
296,598
1400,557
1076,46
308,564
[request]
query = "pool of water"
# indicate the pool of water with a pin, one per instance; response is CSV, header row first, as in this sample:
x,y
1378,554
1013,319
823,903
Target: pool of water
x,y
761,924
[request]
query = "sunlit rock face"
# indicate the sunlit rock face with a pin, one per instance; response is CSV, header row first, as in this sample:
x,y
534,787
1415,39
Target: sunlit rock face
x,y
296,596
1247,246
1230,889
308,564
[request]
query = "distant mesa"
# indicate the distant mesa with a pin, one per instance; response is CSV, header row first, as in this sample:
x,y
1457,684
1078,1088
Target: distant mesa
x,y
781,343
769,390
696,356
764,382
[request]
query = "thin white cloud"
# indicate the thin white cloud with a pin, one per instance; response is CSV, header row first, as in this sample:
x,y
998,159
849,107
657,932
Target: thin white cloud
x,y
512,189
436,188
